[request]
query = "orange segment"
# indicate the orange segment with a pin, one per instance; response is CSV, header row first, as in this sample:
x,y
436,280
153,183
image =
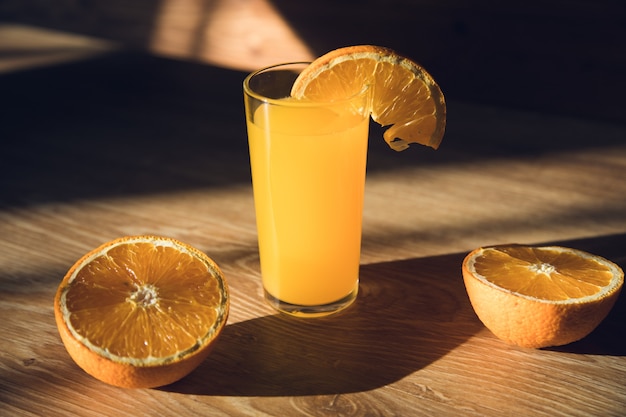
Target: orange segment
x,y
549,274
141,311
404,96
540,296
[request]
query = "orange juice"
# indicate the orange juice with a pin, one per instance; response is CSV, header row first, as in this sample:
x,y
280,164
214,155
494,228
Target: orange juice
x,y
308,166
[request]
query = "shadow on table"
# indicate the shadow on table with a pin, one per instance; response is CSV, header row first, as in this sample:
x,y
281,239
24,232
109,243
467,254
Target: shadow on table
x,y
130,124
408,314
124,123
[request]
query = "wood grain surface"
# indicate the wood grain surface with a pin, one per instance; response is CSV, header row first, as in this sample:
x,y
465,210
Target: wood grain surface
x,y
127,143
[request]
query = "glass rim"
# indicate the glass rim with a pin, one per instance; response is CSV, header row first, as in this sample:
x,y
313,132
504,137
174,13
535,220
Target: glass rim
x,y
292,103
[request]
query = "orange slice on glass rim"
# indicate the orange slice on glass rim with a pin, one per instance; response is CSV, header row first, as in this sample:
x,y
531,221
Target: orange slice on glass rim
x,y
405,96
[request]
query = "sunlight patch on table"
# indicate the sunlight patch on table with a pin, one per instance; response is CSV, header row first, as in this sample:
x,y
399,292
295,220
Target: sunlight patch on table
x,y
24,47
438,209
239,35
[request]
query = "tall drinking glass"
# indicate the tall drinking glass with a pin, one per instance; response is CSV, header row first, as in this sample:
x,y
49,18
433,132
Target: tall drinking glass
x,y
308,165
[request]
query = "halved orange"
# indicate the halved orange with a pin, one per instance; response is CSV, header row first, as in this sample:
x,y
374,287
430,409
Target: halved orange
x,y
141,311
405,96
540,296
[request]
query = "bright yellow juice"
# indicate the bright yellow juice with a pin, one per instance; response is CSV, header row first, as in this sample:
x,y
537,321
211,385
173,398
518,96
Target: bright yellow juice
x,y
308,170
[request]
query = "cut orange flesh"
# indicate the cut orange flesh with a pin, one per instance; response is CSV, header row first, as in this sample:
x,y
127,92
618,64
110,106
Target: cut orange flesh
x,y
540,296
404,96
141,311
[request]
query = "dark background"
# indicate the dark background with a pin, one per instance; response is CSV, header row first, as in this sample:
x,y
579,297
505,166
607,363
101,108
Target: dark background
x,y
556,56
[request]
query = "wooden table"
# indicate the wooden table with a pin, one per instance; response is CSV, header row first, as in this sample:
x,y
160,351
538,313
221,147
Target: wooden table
x,y
126,143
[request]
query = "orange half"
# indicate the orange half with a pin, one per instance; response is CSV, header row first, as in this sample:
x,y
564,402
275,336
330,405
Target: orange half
x,y
141,311
540,296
